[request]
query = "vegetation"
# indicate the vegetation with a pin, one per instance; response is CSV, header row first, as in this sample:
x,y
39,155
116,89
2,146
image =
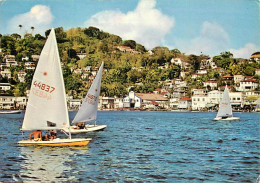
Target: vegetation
x,y
139,71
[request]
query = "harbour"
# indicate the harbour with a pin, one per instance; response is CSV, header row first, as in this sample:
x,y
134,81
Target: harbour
x,y
140,146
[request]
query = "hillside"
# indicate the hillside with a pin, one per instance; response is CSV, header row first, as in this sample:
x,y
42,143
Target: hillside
x,y
127,63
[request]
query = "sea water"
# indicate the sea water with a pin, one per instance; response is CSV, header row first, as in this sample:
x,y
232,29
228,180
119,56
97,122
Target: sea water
x,y
140,147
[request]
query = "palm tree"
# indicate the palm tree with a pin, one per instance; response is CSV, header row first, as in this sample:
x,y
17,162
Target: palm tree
x,y
32,29
20,26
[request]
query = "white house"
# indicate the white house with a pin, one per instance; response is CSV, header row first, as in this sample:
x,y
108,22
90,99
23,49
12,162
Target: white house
x,y
21,76
10,102
235,98
35,58
5,86
118,103
29,65
81,55
247,85
132,100
257,72
199,102
215,97
238,78
211,83
6,73
176,61
74,103
184,103
202,71
199,91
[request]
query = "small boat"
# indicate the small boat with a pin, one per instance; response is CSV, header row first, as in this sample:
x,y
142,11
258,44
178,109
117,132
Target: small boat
x,y
225,110
10,111
47,106
88,109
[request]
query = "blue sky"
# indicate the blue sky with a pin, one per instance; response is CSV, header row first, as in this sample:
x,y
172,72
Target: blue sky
x,y
192,26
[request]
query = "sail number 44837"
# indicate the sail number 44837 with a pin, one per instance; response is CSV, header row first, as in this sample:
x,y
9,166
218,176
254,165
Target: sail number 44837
x,y
43,86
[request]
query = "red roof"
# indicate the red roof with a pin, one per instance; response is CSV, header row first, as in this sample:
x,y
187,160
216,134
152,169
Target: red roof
x,y
155,103
227,76
210,81
185,98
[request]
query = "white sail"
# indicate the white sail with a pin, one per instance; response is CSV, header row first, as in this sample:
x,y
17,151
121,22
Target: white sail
x,y
225,109
88,109
47,107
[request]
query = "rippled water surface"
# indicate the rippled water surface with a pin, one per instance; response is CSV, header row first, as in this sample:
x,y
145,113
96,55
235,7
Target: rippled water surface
x,y
140,147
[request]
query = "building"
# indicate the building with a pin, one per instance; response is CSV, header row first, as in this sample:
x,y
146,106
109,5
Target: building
x,y
238,78
199,102
21,76
150,100
10,102
184,103
211,83
132,101
257,72
5,86
247,85
6,73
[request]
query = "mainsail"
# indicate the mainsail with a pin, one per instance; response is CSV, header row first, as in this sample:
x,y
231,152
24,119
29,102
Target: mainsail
x,y
225,109
47,107
88,109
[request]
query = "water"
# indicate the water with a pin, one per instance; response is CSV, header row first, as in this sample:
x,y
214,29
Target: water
x,y
140,147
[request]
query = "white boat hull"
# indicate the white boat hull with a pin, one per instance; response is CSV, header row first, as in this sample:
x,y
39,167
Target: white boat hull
x,y
226,119
57,142
10,112
89,128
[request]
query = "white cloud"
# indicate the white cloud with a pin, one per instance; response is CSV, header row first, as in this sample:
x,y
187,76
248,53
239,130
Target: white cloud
x,y
39,17
212,40
146,24
246,51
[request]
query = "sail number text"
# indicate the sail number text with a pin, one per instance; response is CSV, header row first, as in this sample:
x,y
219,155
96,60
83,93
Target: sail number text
x,y
91,99
42,90
43,86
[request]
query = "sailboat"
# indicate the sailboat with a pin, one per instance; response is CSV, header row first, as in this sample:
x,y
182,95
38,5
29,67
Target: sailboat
x,y
47,106
225,109
89,107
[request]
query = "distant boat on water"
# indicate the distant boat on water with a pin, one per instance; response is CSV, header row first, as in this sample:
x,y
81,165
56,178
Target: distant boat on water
x,y
10,111
225,110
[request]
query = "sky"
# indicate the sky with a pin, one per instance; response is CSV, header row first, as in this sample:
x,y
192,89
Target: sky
x,y
206,27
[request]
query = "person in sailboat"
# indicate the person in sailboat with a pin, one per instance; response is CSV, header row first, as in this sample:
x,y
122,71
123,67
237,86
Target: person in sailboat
x,y
37,135
53,134
80,126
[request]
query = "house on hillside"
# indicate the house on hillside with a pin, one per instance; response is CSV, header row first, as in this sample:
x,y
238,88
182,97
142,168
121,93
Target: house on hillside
x,y
247,85
5,86
21,76
6,73
238,78
211,83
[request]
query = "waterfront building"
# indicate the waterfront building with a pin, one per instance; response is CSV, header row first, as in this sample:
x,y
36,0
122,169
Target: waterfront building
x,y
132,101
199,102
184,103
11,102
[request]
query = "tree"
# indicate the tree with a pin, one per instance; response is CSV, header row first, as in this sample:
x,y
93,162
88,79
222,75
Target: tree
x,y
130,43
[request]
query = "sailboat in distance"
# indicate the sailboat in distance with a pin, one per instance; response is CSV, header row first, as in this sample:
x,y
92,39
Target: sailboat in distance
x,y
47,106
88,109
225,109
